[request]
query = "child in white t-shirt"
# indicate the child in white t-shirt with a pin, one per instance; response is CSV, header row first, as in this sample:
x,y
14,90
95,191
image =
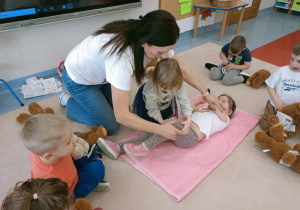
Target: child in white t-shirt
x,y
284,89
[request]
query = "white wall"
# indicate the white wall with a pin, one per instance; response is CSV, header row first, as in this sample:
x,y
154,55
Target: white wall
x,y
31,50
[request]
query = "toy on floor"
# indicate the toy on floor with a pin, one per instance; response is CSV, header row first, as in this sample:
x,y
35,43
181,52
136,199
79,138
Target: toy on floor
x,y
258,78
279,151
277,130
93,134
33,108
149,69
81,148
293,110
82,204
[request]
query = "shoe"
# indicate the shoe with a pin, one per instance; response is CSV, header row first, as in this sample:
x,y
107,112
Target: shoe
x,y
244,73
135,149
210,65
63,98
245,77
94,150
102,186
111,149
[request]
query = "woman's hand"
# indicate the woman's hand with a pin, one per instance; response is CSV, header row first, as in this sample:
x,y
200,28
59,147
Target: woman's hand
x,y
187,124
169,131
213,102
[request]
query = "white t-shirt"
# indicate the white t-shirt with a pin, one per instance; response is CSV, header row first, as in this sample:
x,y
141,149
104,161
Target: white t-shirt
x,y
209,123
287,85
86,65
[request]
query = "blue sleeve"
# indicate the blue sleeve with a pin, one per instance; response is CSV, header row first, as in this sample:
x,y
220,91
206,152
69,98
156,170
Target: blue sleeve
x,y
247,54
225,49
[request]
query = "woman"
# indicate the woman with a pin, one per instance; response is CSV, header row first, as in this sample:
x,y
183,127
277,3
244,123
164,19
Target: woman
x,y
98,72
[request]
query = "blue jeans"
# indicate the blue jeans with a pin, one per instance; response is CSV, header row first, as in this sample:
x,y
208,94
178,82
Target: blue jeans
x,y
89,175
91,104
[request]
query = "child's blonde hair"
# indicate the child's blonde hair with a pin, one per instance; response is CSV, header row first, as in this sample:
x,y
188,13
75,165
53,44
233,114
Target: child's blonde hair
x,y
43,133
296,49
231,102
167,74
237,44
38,194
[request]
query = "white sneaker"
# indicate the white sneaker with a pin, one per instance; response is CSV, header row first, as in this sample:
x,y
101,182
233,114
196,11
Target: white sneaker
x,y
63,98
102,186
245,74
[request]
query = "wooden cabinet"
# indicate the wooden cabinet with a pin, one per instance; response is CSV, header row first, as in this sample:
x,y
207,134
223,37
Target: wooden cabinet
x,y
250,12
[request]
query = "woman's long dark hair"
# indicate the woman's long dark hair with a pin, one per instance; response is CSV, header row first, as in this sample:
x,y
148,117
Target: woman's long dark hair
x,y
158,28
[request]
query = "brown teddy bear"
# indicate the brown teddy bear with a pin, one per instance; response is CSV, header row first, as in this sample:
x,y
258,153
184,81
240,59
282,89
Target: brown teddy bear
x,y
293,111
33,108
93,134
149,69
258,78
279,151
277,130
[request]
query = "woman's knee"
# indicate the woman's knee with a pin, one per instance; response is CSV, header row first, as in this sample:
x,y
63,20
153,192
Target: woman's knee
x,y
113,128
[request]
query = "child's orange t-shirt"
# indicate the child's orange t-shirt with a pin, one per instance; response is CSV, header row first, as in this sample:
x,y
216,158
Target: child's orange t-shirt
x,y
63,169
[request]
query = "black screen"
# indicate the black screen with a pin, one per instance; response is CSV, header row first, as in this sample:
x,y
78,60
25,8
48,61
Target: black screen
x,y
21,10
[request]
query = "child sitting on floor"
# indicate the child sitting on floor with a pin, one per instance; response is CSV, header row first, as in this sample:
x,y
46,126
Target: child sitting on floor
x,y
205,122
235,57
37,194
283,87
50,140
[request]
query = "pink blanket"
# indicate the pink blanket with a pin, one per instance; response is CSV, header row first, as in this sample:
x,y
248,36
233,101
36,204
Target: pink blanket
x,y
179,170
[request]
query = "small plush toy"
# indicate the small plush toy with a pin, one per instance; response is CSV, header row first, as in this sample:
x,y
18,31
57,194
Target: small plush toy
x,y
81,148
82,204
93,134
277,130
33,108
258,78
293,111
149,69
279,151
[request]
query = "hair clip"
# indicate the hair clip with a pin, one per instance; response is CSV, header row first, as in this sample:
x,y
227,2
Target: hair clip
x,y
35,196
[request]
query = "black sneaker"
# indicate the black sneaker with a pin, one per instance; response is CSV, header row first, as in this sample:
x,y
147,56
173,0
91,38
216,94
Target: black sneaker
x,y
210,65
245,75
245,78
94,150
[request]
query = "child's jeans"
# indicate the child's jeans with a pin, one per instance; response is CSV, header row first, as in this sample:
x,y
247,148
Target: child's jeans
x,y
89,175
91,104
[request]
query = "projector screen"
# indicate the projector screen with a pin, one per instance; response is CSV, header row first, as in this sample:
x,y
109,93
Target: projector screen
x,y
26,13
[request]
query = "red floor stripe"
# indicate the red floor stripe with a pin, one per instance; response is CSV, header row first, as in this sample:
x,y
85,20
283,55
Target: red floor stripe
x,y
278,52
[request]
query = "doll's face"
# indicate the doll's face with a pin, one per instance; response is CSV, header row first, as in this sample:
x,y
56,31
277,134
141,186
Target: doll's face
x,y
154,52
295,63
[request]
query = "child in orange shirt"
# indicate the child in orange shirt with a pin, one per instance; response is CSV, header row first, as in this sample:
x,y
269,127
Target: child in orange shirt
x,y
50,140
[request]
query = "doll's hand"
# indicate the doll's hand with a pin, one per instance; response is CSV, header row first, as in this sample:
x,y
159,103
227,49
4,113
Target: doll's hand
x,y
187,124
